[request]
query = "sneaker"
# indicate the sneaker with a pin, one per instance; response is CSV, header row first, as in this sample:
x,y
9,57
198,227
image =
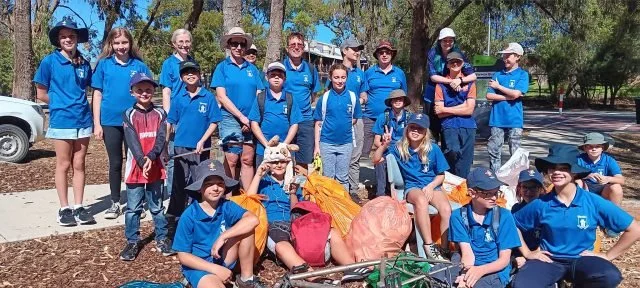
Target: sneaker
x,y
356,274
65,217
130,252
611,234
82,216
433,252
255,282
164,246
113,212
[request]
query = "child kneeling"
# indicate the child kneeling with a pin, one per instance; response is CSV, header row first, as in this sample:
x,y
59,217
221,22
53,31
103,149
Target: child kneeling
x,y
214,233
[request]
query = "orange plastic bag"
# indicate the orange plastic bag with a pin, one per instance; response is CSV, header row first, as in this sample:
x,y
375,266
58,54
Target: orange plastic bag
x,y
456,189
380,230
253,204
332,199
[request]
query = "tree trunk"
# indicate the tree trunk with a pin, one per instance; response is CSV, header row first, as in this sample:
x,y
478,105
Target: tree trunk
x,y
275,32
112,12
22,47
604,102
614,92
145,30
419,36
232,14
192,21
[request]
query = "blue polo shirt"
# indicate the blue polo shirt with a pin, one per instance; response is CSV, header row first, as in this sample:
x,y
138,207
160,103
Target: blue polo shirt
x,y
275,120
66,84
416,174
170,75
568,231
302,82
509,113
380,85
277,203
606,166
337,128
110,78
356,81
396,126
197,230
531,237
241,83
485,244
192,116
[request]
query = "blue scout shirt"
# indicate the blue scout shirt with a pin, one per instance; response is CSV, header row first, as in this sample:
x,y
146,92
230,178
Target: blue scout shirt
x,y
568,231
301,83
380,85
197,230
396,126
275,120
508,113
416,174
170,75
110,78
437,65
606,166
240,82
531,237
277,203
66,83
486,246
337,128
192,116
356,81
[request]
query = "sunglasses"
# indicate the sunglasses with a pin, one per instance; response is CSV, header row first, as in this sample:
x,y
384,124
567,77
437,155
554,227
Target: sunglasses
x,y
250,53
234,44
298,45
455,62
385,52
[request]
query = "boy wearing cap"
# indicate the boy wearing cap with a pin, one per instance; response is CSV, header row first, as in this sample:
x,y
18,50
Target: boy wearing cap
x,y
485,247
214,233
530,187
506,89
455,109
606,177
251,56
193,116
275,111
392,121
145,132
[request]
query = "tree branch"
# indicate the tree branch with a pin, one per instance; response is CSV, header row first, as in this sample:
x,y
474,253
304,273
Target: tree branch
x,y
145,30
192,20
448,21
553,18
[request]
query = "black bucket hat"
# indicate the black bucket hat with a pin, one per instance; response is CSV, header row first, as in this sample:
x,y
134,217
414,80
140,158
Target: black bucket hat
x,y
211,168
562,154
83,33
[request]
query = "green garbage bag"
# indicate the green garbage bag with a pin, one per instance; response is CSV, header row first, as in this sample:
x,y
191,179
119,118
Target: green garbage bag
x,y
147,284
394,265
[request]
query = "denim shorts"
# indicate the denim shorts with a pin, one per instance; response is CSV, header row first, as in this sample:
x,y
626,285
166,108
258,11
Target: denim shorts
x,y
69,133
231,132
305,141
194,276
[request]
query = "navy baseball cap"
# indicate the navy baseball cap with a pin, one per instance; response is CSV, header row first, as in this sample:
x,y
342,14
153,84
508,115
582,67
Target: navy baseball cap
x,y
210,168
530,174
188,64
141,77
484,179
420,120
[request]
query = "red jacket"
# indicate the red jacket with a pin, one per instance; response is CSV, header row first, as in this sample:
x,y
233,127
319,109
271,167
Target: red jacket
x,y
145,132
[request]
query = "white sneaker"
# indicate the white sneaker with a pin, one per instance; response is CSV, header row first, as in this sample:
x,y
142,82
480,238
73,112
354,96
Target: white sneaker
x,y
433,252
113,212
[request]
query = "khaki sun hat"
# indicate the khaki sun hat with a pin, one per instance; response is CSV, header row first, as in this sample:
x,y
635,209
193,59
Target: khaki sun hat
x,y
236,32
397,93
594,138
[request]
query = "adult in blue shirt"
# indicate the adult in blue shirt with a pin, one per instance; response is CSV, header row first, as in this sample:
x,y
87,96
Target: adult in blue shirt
x,y
61,81
303,82
172,84
118,62
382,78
506,89
251,56
568,218
237,82
437,70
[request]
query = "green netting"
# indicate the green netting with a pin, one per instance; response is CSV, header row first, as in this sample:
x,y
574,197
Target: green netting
x,y
400,268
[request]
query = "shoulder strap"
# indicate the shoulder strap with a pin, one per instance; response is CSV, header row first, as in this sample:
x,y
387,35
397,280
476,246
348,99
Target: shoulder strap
x,y
387,118
353,101
312,70
289,98
261,99
495,221
464,212
325,96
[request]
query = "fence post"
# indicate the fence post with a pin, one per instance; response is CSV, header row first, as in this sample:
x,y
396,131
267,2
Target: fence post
x,y
560,100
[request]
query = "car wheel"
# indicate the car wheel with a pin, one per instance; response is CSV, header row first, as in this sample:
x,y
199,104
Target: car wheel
x,y
14,143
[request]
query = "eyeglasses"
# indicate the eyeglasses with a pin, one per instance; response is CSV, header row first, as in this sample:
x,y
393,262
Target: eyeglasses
x,y
355,49
385,52
294,45
234,44
487,194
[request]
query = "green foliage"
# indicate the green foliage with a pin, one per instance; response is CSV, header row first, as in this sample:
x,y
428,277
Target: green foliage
x,y
6,65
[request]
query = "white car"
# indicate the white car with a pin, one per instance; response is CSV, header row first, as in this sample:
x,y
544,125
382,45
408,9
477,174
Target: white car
x,y
21,125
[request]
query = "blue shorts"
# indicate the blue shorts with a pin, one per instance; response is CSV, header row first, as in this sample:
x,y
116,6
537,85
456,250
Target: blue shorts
x,y
231,132
595,187
305,141
194,276
69,133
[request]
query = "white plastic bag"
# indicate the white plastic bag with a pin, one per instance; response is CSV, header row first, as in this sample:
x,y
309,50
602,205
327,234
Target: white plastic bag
x,y
509,173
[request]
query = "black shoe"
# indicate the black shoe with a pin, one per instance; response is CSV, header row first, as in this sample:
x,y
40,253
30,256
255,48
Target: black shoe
x,y
355,198
356,274
130,252
164,246
253,283
82,216
65,217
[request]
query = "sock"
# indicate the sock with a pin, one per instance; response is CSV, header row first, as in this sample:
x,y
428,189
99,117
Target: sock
x,y
246,279
76,206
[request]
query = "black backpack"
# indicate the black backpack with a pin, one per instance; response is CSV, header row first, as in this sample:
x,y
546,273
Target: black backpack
x,y
387,117
495,221
261,100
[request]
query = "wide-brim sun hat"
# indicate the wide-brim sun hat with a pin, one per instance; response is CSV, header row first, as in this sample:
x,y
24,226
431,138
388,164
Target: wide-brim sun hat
x,y
562,154
211,168
384,44
594,138
236,32
397,93
82,33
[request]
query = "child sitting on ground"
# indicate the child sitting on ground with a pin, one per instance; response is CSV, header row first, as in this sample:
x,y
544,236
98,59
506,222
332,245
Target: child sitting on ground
x,y
606,177
214,233
530,186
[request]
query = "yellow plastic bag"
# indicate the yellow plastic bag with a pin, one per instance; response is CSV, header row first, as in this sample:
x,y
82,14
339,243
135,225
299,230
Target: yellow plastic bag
x,y
253,204
332,199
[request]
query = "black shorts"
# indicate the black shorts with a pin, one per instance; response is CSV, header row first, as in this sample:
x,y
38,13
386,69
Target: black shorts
x,y
595,187
280,231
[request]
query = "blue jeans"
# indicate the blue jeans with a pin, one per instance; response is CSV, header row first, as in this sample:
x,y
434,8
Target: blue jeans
x,y
382,184
459,144
170,164
136,193
586,271
335,161
230,131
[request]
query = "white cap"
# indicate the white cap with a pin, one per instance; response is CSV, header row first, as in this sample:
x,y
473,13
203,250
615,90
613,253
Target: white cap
x,y
446,32
513,48
253,47
276,66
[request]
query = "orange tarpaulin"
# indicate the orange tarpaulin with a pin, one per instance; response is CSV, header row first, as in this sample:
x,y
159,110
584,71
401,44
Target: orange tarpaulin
x,y
254,205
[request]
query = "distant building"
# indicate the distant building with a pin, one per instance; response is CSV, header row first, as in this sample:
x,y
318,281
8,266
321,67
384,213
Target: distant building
x,y
323,55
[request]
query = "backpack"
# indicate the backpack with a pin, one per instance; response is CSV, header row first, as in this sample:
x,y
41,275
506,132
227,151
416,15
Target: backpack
x,y
310,228
495,221
387,117
325,98
262,99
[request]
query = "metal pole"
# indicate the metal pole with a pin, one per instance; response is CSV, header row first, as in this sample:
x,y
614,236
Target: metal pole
x,y
359,265
489,37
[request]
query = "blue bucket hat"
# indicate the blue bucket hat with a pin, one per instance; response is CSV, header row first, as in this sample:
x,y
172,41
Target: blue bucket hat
x,y
83,33
530,174
420,120
562,154
210,168
484,179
